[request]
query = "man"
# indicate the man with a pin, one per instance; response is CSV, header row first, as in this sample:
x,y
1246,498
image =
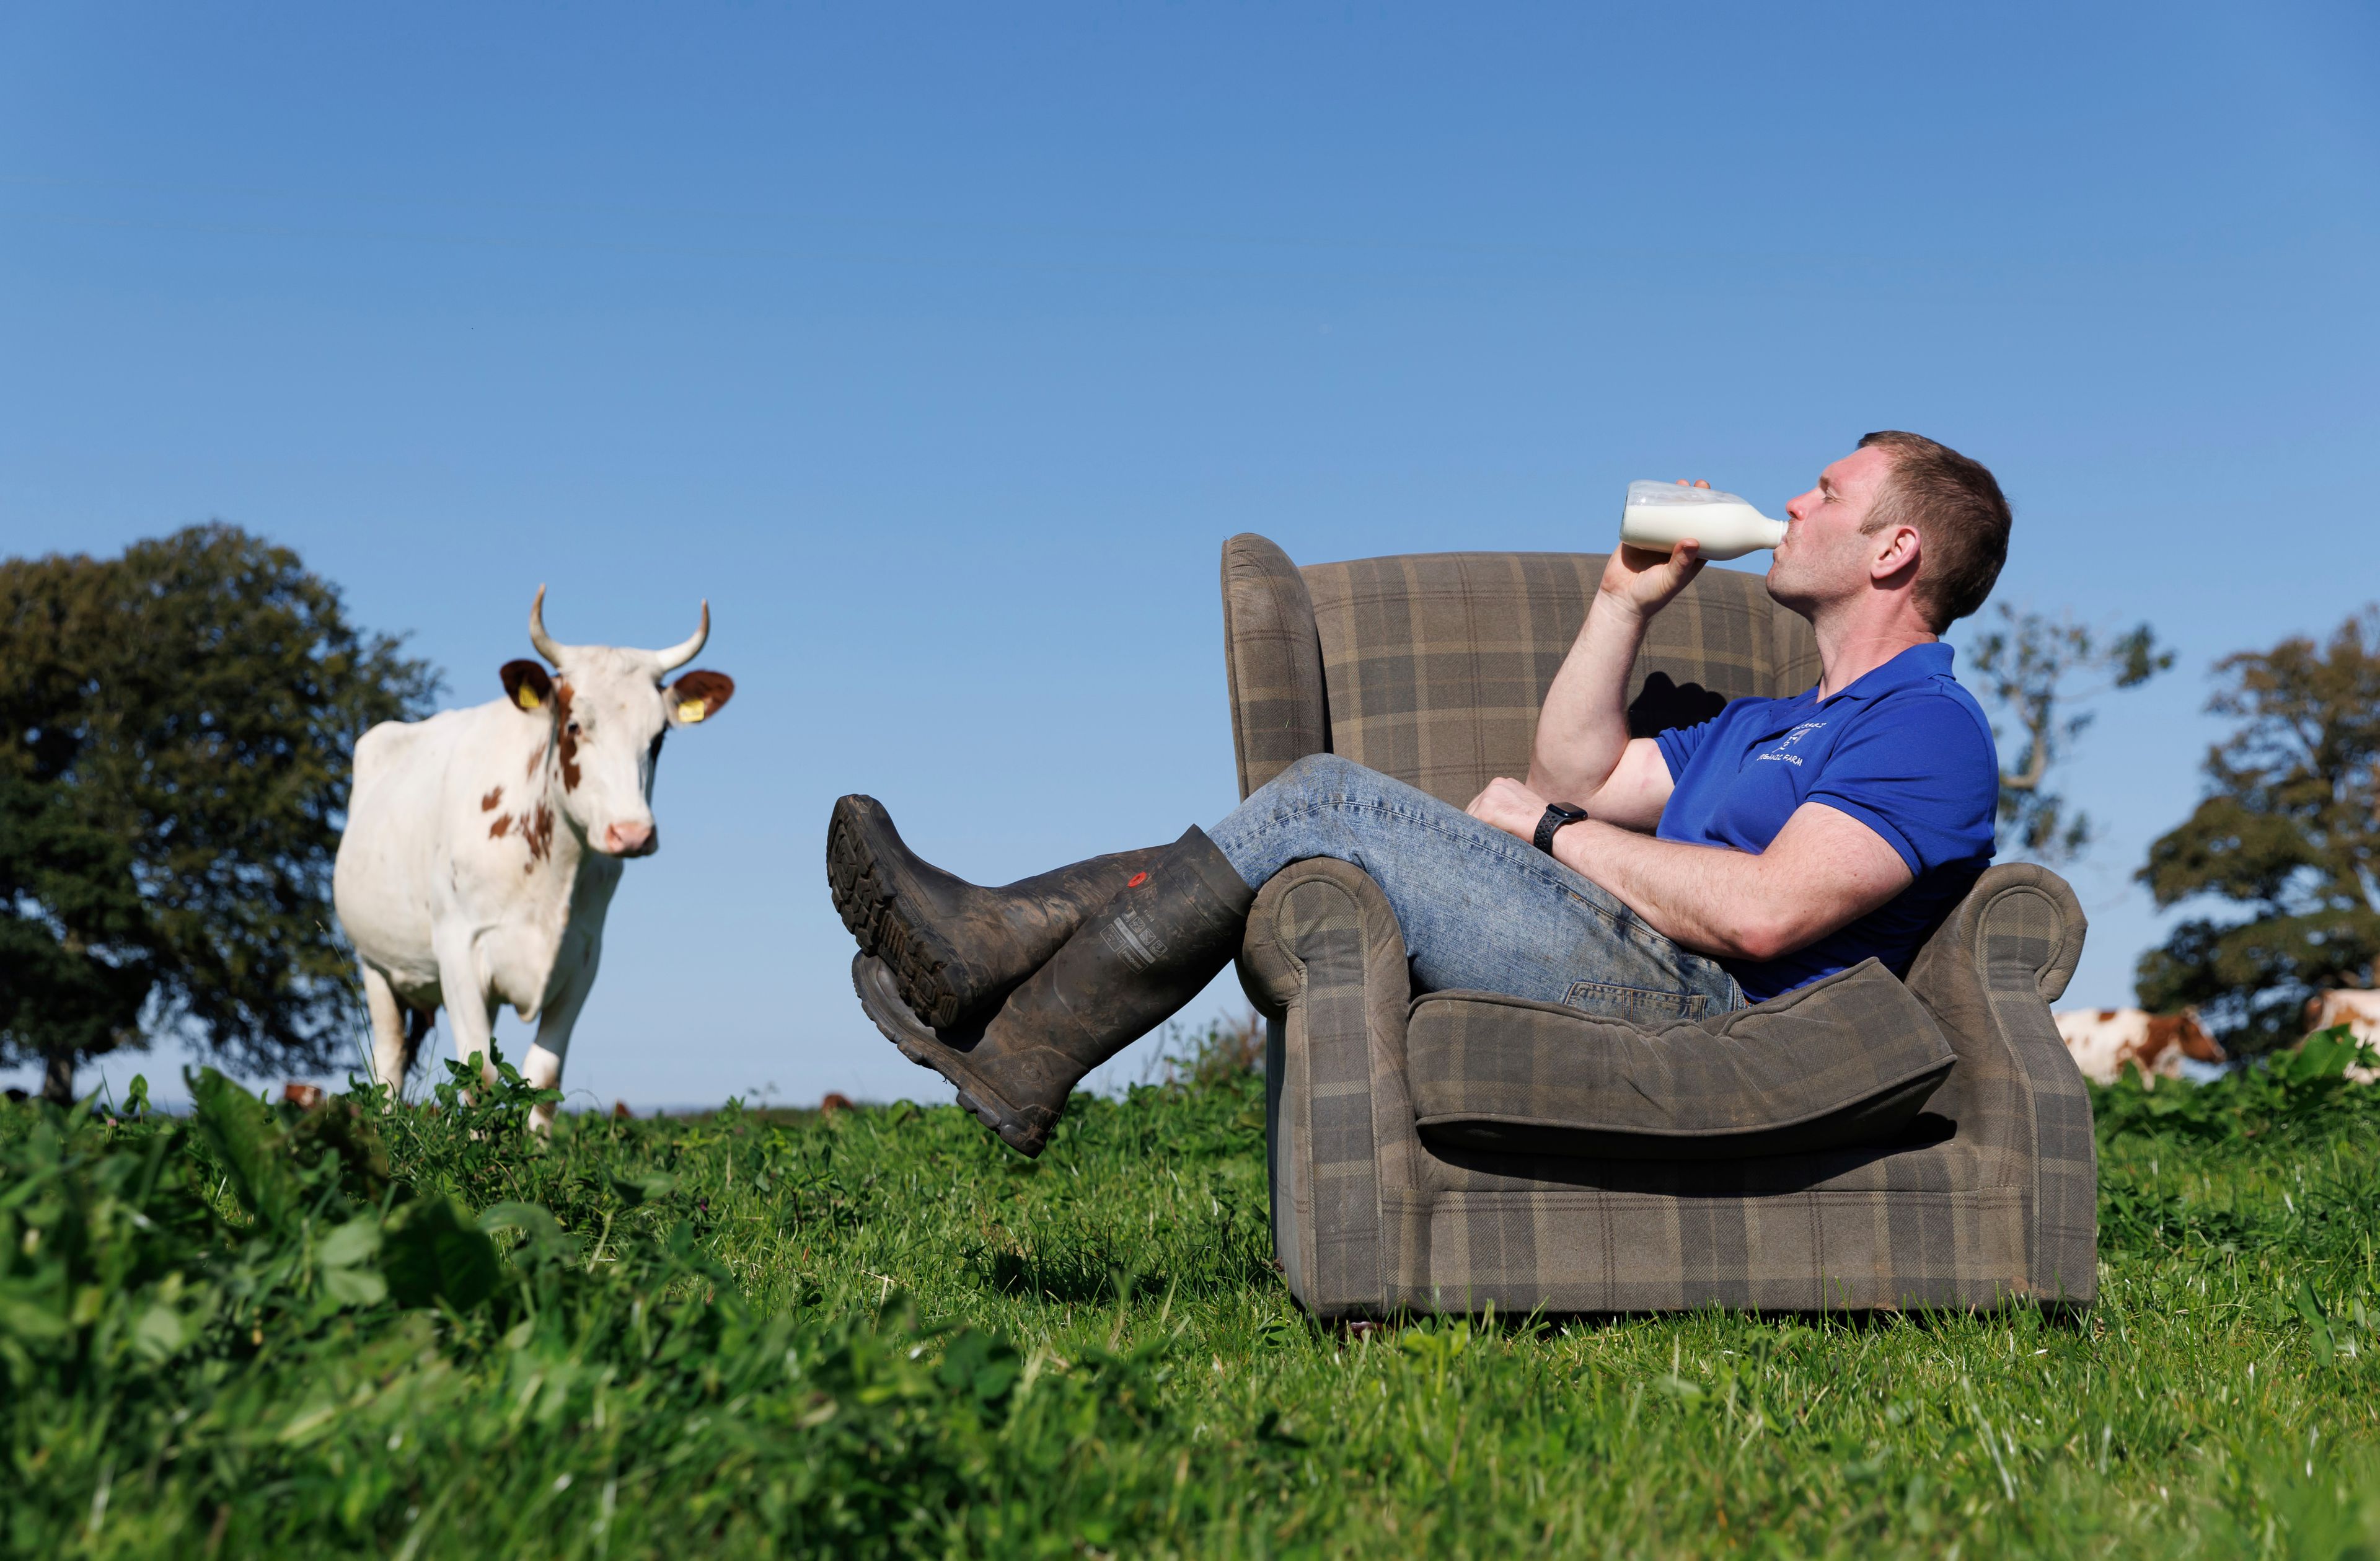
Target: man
x,y
1689,874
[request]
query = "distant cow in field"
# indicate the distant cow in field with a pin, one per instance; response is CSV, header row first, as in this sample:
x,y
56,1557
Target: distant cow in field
x,y
2356,1008
483,845
2106,1041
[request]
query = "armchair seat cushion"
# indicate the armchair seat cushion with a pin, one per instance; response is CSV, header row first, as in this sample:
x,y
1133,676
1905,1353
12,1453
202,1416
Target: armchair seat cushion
x,y
1848,1060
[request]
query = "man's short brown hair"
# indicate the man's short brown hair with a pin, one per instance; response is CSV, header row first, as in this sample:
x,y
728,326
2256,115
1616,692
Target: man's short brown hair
x,y
1960,511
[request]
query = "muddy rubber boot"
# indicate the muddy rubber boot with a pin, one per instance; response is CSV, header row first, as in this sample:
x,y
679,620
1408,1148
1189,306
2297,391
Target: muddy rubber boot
x,y
955,949
1133,965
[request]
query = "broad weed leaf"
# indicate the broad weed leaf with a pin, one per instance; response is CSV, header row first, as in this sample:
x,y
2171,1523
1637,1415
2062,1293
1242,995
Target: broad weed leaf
x,y
354,1286
349,1244
430,1254
241,1131
545,1236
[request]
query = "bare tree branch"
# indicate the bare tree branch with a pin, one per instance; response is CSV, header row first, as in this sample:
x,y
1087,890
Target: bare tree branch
x,y
2035,673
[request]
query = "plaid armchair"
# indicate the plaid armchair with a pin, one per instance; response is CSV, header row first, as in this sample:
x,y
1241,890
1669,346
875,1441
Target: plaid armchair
x,y
1860,1144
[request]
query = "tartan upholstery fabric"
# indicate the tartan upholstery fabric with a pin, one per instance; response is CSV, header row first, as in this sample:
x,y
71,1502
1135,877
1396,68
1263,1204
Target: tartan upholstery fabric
x,y
1846,1060
1328,970
1991,971
1990,1199
1273,661
1435,664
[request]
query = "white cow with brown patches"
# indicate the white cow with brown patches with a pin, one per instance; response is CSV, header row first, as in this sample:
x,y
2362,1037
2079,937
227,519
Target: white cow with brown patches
x,y
482,844
2357,1008
2104,1042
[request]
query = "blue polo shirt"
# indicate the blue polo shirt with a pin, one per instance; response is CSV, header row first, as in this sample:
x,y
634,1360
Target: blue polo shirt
x,y
1904,750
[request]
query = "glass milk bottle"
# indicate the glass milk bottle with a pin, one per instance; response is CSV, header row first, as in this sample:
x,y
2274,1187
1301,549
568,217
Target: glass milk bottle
x,y
1660,515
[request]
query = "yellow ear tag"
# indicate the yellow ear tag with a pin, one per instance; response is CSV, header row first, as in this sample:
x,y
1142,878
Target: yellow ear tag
x,y
691,711
526,696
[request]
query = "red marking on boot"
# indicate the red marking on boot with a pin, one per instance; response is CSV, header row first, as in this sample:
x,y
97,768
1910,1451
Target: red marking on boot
x,y
1136,880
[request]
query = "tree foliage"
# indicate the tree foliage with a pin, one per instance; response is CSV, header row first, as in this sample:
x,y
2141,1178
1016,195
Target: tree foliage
x,y
2289,830
176,727
2036,673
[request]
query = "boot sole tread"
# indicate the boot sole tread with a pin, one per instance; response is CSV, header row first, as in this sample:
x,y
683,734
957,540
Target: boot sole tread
x,y
1010,1125
872,912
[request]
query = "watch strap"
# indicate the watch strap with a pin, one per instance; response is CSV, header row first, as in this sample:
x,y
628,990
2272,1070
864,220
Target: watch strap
x,y
1555,815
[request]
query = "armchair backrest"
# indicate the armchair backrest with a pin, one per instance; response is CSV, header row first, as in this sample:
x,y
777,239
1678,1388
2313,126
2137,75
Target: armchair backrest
x,y
1431,666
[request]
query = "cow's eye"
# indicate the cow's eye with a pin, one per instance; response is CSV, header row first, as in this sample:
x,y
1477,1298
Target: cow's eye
x,y
573,729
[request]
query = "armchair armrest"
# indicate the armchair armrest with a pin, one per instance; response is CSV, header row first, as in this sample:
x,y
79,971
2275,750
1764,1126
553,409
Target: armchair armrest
x,y
1989,975
1325,962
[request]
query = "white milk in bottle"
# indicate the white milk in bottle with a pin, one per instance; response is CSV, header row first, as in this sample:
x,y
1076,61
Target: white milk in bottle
x,y
1661,515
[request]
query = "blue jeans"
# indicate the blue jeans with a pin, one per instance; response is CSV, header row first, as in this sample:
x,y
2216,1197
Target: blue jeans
x,y
1481,911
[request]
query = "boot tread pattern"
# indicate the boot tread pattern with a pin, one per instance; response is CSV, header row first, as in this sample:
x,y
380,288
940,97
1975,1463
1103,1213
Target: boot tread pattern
x,y
872,912
986,1107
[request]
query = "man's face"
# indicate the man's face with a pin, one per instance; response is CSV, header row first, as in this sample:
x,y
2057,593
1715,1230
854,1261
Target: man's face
x,y
1825,556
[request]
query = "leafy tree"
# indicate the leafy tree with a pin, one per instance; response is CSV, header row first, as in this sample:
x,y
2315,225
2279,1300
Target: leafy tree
x,y
2035,673
2289,829
176,727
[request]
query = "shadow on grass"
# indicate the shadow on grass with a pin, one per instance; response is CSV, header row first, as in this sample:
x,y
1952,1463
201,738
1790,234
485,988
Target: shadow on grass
x,y
1087,1276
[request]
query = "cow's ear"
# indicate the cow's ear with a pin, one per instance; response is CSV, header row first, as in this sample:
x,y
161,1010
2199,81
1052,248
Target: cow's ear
x,y
697,696
526,685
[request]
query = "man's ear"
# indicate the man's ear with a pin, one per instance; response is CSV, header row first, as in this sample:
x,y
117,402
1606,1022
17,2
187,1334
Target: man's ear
x,y
1902,549
697,696
526,685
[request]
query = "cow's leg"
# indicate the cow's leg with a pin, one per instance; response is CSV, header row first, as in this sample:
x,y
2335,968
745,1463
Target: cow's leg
x,y
390,1053
544,1065
544,1070
470,1007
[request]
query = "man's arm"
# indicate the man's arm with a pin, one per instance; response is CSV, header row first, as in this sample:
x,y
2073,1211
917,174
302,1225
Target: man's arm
x,y
1583,754
1824,870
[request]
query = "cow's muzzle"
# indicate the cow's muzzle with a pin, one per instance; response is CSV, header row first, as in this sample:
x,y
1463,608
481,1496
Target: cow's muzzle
x,y
631,839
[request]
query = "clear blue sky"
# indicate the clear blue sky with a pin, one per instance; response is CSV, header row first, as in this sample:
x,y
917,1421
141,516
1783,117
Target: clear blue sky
x,y
941,348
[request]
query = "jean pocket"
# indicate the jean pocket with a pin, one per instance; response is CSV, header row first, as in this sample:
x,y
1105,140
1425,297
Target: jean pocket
x,y
1636,1004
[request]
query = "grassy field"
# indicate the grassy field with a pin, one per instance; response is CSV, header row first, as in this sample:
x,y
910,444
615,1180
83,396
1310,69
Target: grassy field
x,y
257,1332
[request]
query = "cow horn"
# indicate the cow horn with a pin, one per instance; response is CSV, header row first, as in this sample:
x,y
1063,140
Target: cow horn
x,y
685,651
537,635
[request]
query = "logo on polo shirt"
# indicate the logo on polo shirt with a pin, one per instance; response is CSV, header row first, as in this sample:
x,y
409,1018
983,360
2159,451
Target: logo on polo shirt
x,y
1782,750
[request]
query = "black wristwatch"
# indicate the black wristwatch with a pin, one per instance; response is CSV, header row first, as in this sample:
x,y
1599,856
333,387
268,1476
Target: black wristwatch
x,y
1556,815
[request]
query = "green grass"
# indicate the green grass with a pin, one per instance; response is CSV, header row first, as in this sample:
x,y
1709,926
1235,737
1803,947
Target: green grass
x,y
878,1331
